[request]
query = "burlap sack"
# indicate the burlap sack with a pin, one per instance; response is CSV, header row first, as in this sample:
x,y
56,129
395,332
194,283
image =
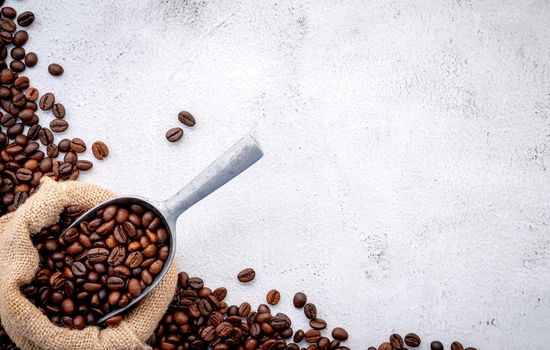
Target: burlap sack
x,y
24,323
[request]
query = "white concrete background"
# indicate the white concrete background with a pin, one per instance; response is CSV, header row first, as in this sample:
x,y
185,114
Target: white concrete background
x,y
405,182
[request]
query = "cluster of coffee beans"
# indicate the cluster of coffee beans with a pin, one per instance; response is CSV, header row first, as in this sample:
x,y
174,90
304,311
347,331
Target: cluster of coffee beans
x,y
176,134
87,271
27,148
199,318
396,342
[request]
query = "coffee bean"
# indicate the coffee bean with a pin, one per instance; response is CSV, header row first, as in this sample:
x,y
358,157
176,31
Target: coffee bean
x,y
114,321
21,83
312,336
18,53
412,340
456,346
7,24
310,310
385,346
100,150
396,341
299,300
45,135
174,134
20,38
46,101
318,323
25,19
58,110
55,69
273,297
31,59
436,345
17,66
31,94
58,125
9,12
186,118
246,275
339,333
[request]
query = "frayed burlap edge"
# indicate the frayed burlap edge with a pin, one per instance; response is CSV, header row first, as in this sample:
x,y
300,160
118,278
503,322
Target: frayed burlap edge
x,y
24,323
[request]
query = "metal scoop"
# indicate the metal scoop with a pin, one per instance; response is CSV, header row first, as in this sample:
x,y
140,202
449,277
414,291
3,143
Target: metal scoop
x,y
230,164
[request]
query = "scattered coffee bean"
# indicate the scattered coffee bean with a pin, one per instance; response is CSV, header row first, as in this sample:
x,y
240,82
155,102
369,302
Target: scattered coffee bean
x,y
46,101
31,59
456,346
412,340
339,333
436,345
273,297
77,145
310,310
174,134
246,275
58,110
55,69
186,118
9,12
100,150
58,125
25,19
396,341
299,300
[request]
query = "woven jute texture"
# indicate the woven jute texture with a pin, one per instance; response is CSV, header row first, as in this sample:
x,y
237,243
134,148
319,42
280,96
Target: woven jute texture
x,y
24,323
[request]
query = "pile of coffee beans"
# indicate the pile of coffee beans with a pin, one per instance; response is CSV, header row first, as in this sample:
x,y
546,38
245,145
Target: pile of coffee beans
x,y
27,148
199,318
87,271
175,134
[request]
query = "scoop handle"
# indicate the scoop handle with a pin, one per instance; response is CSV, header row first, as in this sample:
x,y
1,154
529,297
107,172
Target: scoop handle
x,y
230,164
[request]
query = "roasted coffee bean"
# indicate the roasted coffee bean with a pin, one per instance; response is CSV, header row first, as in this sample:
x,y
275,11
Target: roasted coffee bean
x,y
78,145
299,336
396,341
385,346
18,53
55,69
20,38
31,59
312,336
339,333
318,323
411,339
174,134
46,101
45,135
100,150
17,66
58,110
299,300
310,310
436,345
196,283
25,19
273,297
9,12
58,125
246,275
21,83
7,24
456,346
186,118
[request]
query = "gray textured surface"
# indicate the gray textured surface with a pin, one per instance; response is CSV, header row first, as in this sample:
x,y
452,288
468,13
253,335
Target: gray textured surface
x,y
405,182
